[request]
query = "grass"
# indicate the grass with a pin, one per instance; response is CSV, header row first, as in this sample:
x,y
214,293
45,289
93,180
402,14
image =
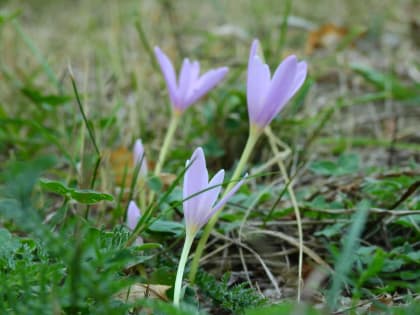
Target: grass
x,y
343,156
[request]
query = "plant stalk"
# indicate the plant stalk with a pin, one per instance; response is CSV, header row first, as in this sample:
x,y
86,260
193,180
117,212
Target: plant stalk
x,y
254,133
181,266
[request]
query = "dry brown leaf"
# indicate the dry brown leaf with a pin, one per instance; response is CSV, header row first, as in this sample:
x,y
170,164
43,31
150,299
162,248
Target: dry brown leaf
x,y
326,36
139,291
121,160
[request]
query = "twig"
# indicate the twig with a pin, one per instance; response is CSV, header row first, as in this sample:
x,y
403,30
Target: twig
x,y
292,241
273,143
260,260
397,213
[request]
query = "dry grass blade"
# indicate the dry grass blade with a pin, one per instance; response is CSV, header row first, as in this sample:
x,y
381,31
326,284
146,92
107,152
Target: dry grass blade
x,y
292,241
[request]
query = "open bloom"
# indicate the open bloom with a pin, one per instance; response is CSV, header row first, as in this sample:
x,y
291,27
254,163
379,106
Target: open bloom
x,y
200,195
139,157
267,96
190,86
133,217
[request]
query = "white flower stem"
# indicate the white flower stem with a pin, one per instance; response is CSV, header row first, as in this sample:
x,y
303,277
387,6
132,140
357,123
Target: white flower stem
x,y
181,266
254,133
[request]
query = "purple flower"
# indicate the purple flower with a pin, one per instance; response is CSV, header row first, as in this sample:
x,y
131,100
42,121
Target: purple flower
x,y
139,156
200,195
133,217
267,96
190,86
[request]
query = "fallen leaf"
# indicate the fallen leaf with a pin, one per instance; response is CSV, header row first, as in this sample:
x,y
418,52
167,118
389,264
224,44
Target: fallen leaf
x,y
326,36
122,164
140,291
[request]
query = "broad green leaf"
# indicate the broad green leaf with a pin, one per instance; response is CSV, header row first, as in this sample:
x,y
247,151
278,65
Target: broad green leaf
x,y
54,186
163,226
88,196
323,167
347,164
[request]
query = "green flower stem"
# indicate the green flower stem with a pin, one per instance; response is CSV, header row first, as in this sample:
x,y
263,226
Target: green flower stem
x,y
181,266
254,133
165,147
168,139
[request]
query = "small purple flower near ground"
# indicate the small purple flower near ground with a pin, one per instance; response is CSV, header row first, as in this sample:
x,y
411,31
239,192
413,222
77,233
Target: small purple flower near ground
x,y
200,195
267,96
191,86
133,217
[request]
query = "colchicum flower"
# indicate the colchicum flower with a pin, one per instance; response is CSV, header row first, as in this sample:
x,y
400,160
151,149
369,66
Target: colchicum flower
x,y
200,195
267,96
139,156
133,217
190,86
200,205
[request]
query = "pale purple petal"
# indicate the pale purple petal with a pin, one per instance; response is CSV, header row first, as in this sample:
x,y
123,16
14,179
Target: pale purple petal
x,y
205,83
209,196
139,156
195,71
257,86
195,180
133,215
184,83
302,69
199,216
279,91
229,195
253,51
168,73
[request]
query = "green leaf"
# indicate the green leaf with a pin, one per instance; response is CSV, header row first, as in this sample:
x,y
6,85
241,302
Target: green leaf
x,y
54,186
8,244
331,230
323,167
391,265
347,164
88,196
154,184
44,99
284,309
7,16
387,82
148,246
163,226
374,268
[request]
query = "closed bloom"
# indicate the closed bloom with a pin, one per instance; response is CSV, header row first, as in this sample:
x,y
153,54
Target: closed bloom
x,y
133,217
190,86
200,195
267,96
139,157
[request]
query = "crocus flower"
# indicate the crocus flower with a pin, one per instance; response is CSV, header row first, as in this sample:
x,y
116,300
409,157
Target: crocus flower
x,y
200,205
138,156
133,217
267,96
200,195
190,86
